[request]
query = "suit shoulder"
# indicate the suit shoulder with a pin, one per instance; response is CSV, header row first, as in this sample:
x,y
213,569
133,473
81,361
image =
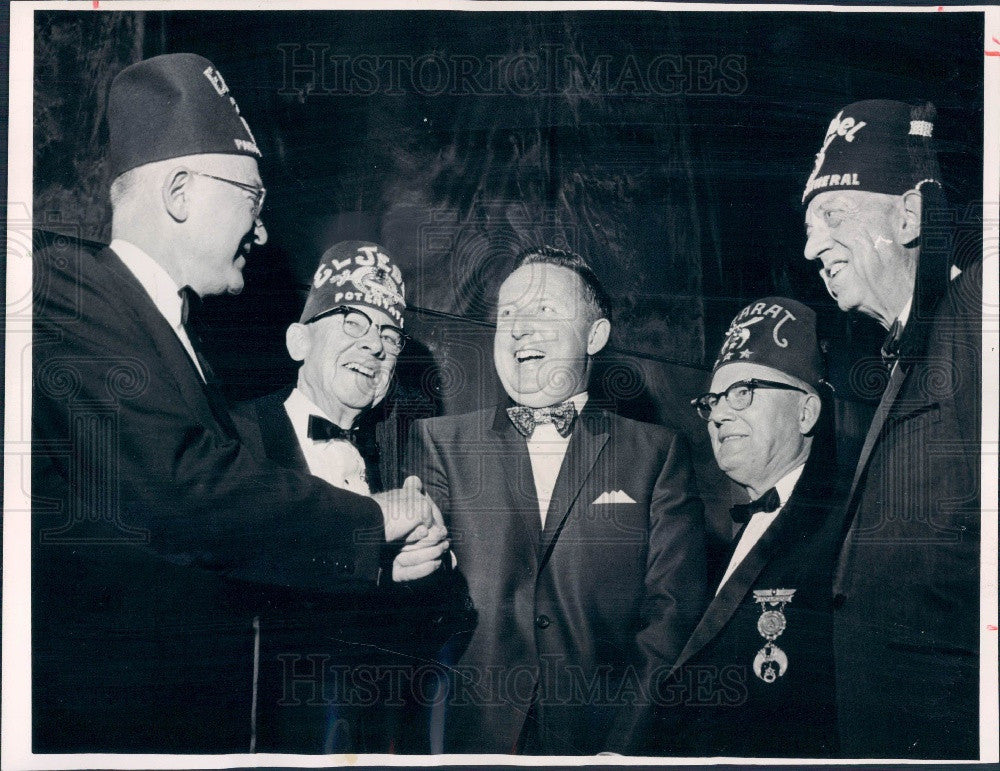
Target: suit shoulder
x,y
449,425
650,432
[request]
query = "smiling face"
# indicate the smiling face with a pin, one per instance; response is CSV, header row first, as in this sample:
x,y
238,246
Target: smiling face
x,y
757,446
857,237
547,332
343,375
222,226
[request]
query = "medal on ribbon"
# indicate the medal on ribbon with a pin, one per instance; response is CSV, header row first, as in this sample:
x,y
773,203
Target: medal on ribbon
x,y
771,662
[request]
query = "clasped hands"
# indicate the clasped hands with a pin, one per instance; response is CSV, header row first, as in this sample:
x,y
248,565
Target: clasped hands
x,y
409,514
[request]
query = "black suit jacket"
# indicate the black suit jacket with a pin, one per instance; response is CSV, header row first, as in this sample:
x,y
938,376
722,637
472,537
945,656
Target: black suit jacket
x,y
154,528
336,673
573,619
906,625
713,703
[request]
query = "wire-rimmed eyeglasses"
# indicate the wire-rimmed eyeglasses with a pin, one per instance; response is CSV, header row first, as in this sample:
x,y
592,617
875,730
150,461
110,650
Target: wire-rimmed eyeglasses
x,y
357,323
739,395
258,192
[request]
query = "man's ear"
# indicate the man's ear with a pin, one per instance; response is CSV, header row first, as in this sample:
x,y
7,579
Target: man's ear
x,y
297,341
809,408
908,223
176,193
598,336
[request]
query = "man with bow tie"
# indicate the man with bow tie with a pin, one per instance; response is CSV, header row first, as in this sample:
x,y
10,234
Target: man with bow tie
x,y
906,592
579,532
154,527
756,677
348,339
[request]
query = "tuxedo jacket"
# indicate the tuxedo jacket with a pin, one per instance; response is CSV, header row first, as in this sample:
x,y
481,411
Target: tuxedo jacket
x,y
327,663
154,528
716,702
573,619
906,624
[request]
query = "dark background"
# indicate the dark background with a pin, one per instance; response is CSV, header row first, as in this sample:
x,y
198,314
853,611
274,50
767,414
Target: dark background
x,y
681,186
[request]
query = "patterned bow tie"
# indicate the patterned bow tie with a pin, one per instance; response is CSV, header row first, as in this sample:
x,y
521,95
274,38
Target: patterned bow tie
x,y
323,430
559,415
890,348
742,512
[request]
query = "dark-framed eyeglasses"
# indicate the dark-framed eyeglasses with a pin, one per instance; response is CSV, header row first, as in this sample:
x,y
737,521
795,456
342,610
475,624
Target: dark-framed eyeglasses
x,y
258,193
357,323
739,395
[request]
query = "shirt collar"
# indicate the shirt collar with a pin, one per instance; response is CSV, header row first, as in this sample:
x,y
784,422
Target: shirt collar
x,y
299,408
160,287
787,483
904,315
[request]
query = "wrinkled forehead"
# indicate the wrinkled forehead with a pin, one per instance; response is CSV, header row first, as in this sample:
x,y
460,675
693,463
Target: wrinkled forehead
x,y
850,202
728,374
540,281
379,318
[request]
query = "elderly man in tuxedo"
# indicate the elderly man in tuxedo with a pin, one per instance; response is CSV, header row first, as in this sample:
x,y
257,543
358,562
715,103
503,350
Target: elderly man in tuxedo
x,y
756,677
906,593
580,533
321,664
155,530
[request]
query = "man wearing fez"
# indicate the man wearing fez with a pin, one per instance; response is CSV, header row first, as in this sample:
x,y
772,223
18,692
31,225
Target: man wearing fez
x,y
579,532
347,339
153,525
906,588
756,677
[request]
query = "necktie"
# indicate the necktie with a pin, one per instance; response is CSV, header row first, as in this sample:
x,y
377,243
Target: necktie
x,y
216,401
190,303
323,430
890,348
559,415
742,512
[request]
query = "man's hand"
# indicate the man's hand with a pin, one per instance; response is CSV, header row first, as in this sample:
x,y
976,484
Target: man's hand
x,y
407,508
422,553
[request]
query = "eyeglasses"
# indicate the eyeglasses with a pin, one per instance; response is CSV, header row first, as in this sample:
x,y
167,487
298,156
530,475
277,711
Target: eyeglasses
x,y
357,323
739,395
257,192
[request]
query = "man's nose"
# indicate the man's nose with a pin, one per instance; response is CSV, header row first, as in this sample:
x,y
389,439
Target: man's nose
x,y
817,242
372,341
259,232
521,327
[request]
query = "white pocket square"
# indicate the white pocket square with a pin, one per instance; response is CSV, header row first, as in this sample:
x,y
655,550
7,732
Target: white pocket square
x,y
613,496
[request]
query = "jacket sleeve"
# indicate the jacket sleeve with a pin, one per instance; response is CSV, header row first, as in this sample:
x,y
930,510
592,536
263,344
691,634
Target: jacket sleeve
x,y
675,590
131,454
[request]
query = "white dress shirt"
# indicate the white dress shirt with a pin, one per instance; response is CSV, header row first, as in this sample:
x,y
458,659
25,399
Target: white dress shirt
x,y
161,289
547,450
336,461
760,522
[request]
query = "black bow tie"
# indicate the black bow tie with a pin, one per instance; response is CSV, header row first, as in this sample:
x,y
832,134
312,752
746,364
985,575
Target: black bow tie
x,y
559,415
323,430
742,512
890,348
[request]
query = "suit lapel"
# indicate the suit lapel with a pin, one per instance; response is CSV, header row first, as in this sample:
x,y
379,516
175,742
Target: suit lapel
x,y
590,434
518,480
885,406
796,518
175,358
277,434
878,421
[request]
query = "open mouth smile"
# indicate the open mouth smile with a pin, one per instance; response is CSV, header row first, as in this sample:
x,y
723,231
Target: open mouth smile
x,y
528,354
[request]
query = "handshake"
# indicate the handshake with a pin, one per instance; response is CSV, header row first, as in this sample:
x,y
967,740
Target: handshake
x,y
409,514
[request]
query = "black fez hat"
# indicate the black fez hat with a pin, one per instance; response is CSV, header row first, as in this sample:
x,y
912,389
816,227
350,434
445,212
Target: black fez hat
x,y
879,146
775,332
356,273
171,106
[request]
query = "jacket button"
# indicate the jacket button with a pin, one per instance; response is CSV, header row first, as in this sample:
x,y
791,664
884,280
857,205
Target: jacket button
x,y
542,621
838,600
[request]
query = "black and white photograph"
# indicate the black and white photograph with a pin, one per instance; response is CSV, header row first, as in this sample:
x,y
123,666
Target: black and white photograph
x,y
500,382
